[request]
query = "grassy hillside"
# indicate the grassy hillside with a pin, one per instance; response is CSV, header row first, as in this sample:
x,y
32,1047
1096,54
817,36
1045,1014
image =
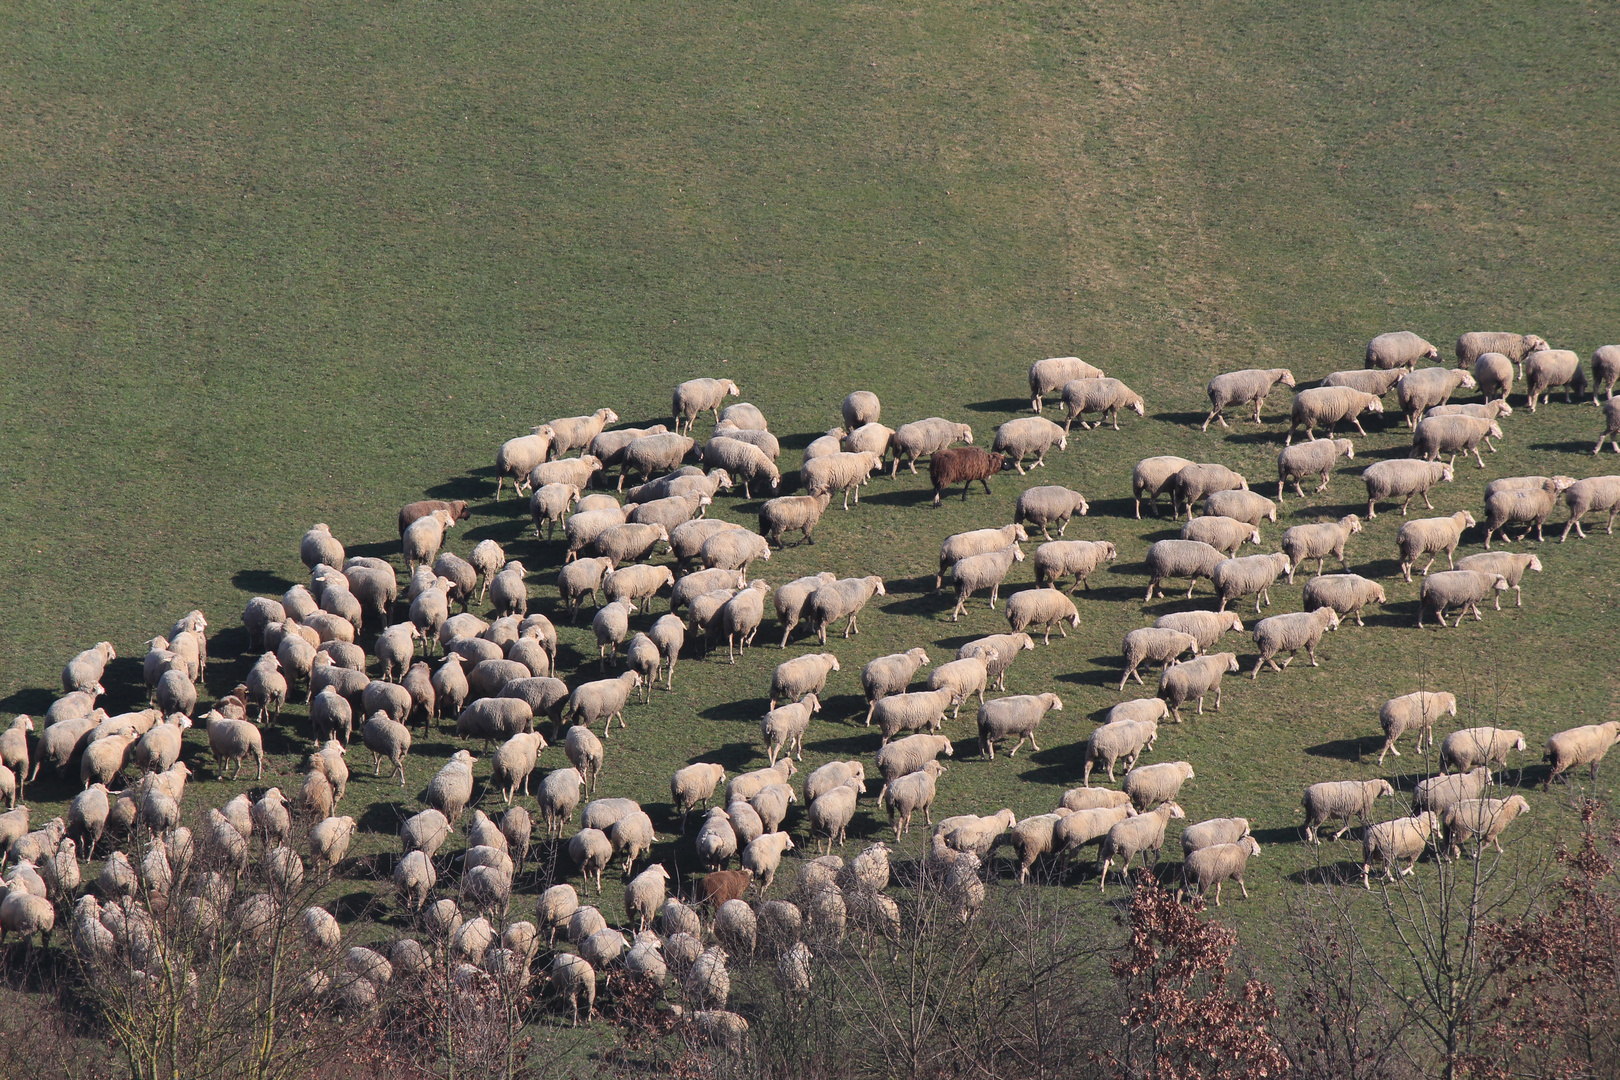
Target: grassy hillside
x,y
270,269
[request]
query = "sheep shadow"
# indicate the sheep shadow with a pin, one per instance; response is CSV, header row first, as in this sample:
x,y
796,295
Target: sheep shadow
x,y
1185,419
1384,453
381,817
1058,765
902,497
846,746
1285,834
921,585
747,710
1252,437
922,605
1115,593
1001,405
1336,873
470,486
380,549
29,700
1568,446
262,582
1346,749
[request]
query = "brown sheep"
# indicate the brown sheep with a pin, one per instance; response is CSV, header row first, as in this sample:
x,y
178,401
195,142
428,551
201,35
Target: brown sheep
x,y
963,465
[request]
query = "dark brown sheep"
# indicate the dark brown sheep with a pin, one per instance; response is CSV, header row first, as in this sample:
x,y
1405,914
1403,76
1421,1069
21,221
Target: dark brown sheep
x,y
722,885
412,511
963,465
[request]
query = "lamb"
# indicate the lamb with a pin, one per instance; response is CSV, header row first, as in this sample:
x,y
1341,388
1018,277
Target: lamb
x,y
1460,589
1192,679
1419,710
801,513
1526,506
1125,740
1611,427
576,471
978,572
763,856
969,463
1422,390
1028,435
580,579
1346,594
602,699
1578,746
1482,819
913,711
1338,800
965,676
789,600
783,728
1153,475
921,438
517,457
1213,865
1043,506
1440,793
1250,385
1330,406
1547,368
1369,381
234,740
1194,482
1252,574
669,634
1598,493
1399,349
386,739
842,471
907,755
1291,633
423,538
1060,558
1430,536
84,671
835,600
1314,458
1055,372
1389,842
861,407
1019,715
1507,564
559,796
1403,477
1106,396
1436,435
1224,534
1191,559
905,795
1143,833
800,676
697,396
1303,542
1153,645
1468,748
733,549
743,461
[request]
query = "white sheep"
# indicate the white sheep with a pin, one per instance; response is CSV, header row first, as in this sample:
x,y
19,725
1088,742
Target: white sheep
x,y
1291,633
1482,819
860,407
716,839
1458,589
1330,406
1194,482
655,456
1206,627
1028,435
1302,542
1600,493
733,549
792,513
980,571
1150,645
1468,748
1346,594
1547,368
830,443
1368,381
1438,435
905,795
1033,837
1491,410
1389,842
889,675
1340,800
576,432
783,728
907,755
1213,831
627,543
963,545
838,599
1430,536
763,856
831,812
1439,793
1510,565
1143,833
1314,458
920,439
1122,740
831,775
1191,559
697,396
602,699
1420,710
1605,370
1579,746
1400,477
913,711
1059,558
872,438
1611,426
1523,506
1046,505
1251,574
1152,476
1249,386
802,675
1473,345
1093,812
1105,396
1423,389
966,676
743,461
1213,865
1399,349
1055,372
843,471
1018,715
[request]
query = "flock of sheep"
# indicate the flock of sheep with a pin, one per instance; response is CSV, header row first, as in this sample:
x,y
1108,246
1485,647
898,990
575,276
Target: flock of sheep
x,y
497,681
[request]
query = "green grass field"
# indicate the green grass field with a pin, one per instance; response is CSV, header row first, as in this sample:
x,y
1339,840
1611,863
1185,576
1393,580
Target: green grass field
x,y
266,269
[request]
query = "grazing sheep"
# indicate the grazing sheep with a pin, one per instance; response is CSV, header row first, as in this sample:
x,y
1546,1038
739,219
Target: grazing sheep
x,y
644,895
1151,644
1368,381
1460,589
642,657
697,396
686,540
767,443
745,786
1509,565
1152,476
1303,542
1291,633
1337,800
831,813
1105,396
1213,865
1098,811
1191,559
1194,679
1430,536
1143,833
628,543
1468,748
861,407
783,728
1389,842
1489,411
792,513
425,832
1125,740
1399,349
610,625
716,839
1251,574
965,465
1193,482
1547,368
905,795
513,762
1579,746
576,471
1019,715
423,538
451,789
1060,558
671,513
1043,506
609,446
1605,371
320,546
1028,435
1481,819
1600,493
1611,427
1420,710
1330,406
912,711
1524,506
921,438
743,461
1314,458
1033,837
576,432
1420,391
1224,534
732,549
412,511
743,415
1440,793
1054,373
978,572
1437,435
837,599
844,471
1249,386
763,856
652,456
1205,626
693,786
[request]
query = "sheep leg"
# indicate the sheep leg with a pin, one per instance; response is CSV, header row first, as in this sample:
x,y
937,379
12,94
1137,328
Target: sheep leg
x,y
1311,651
1200,704
1356,420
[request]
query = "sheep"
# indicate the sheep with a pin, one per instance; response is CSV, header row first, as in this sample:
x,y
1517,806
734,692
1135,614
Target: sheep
x,y
234,740
602,699
580,579
905,795
1369,381
964,676
1153,645
771,804
763,856
792,513
1470,747
1420,710
386,739
1028,435
1399,349
1460,589
1547,368
1191,559
1579,746
671,513
630,542
451,789
701,583
1019,715
1346,594
1195,679
767,443
1105,396
1044,506
837,599
733,549
834,774
843,471
1303,542
1436,435
591,851
610,625
1473,345
1440,793
743,415
872,438
1489,411
1314,458
491,718
559,796
423,538
1389,842
429,609
23,913
909,754
610,446
1090,823
1126,740
1605,370
830,443
8,787
1526,506
645,894
1214,864
1006,648
923,437
1251,574
789,600
1193,482
1507,564
697,396
1430,536
977,836
581,529
1611,427
1600,493
517,457
861,407
802,675
642,657
1060,558
1250,385
963,545
682,481
978,572
913,711
1330,406
1054,373
1143,833
1206,627
1224,534
576,432
1214,831
967,464
450,687
657,455
514,761
745,786
1420,391
1153,475
1290,633
693,786
1344,800
783,728
84,671
744,462
576,471
261,613
1033,837
686,540
716,839
14,743
740,617
1482,819
1149,785
668,634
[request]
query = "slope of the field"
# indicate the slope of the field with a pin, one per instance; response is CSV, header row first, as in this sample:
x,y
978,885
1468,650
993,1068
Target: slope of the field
x,y
265,269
